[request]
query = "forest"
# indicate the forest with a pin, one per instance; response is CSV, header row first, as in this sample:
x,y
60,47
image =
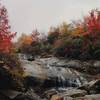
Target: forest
x,y
77,40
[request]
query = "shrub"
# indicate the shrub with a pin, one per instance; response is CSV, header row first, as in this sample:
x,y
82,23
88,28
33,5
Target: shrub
x,y
52,37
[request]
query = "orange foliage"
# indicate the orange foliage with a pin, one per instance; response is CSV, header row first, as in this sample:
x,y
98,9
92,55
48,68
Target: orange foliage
x,y
78,30
25,39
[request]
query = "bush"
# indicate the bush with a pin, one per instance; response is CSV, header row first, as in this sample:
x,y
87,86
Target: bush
x,y
52,37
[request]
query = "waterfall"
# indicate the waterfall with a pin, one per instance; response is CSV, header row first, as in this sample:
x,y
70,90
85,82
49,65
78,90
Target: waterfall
x,y
65,77
61,77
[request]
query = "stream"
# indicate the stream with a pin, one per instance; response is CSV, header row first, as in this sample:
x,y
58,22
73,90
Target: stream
x,y
53,76
56,79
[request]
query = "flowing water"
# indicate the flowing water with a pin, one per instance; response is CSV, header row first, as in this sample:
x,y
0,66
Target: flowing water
x,y
62,76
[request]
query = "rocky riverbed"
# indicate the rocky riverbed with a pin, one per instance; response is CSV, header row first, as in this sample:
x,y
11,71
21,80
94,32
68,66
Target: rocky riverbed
x,y
55,79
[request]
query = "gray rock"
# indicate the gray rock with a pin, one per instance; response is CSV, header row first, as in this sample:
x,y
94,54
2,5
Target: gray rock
x,y
92,87
89,97
74,63
74,92
92,97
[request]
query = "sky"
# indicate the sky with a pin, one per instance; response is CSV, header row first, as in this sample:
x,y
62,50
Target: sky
x,y
26,15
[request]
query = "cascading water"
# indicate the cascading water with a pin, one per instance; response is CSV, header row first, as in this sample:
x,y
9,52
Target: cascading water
x,y
65,77
61,77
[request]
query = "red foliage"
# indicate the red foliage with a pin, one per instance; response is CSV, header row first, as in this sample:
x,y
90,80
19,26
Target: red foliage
x,y
92,22
5,34
91,26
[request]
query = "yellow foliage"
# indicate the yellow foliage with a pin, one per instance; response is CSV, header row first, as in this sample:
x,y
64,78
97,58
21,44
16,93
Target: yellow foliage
x,y
77,31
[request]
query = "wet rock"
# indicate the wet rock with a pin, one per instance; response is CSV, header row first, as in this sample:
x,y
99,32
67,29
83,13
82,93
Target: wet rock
x,y
74,93
92,87
89,67
89,97
69,94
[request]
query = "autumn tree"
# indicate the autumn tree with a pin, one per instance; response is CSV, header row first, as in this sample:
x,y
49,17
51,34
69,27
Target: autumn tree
x,y
28,43
5,34
92,33
9,61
